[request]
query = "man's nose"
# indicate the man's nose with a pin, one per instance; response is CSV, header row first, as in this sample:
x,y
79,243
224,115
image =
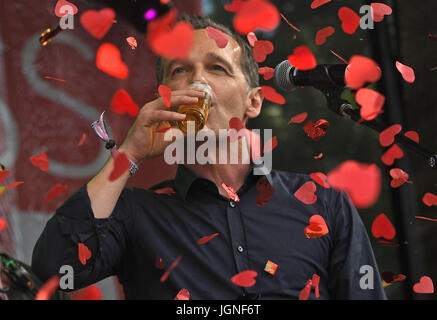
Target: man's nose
x,y
198,75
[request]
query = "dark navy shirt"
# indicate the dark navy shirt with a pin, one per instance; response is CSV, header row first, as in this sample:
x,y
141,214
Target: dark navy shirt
x,y
149,230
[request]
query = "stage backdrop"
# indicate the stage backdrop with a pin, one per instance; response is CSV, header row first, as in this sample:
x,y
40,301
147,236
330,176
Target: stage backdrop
x,y
49,96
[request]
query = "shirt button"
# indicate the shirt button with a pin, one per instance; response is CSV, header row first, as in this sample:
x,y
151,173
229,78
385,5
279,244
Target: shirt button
x,y
240,248
232,203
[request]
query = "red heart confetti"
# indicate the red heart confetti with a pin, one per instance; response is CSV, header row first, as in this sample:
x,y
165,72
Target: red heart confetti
x,y
159,263
231,192
265,192
338,56
393,153
183,294
261,49
165,93
291,25
270,94
220,38
362,182
389,277
271,267
121,165
170,42
253,139
55,191
245,278
41,161
14,184
406,72
425,285
92,292
98,23
319,156
122,103
166,190
371,103
48,288
302,58
172,266
82,140
399,177
256,14
387,136
62,3
109,61
132,42
316,130
3,224
204,240
315,282
360,71
299,118
379,10
429,199
317,227
305,292
271,144
53,78
413,135
235,6
266,72
251,37
321,179
317,3
306,193
323,34
3,175
350,20
383,228
84,253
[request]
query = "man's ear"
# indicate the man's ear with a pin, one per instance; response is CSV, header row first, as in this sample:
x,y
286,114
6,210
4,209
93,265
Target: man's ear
x,y
255,100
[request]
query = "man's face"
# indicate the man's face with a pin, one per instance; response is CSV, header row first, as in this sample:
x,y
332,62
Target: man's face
x,y
220,68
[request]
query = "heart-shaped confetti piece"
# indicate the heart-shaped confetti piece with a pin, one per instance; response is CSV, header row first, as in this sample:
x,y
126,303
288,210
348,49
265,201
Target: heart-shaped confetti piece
x,y
429,199
393,153
41,161
109,60
316,130
317,227
266,72
261,49
245,278
270,94
122,103
306,193
379,10
406,72
383,228
425,285
302,58
84,253
387,136
323,34
256,14
371,103
183,294
317,3
361,70
350,20
98,23
60,4
220,38
204,240
55,191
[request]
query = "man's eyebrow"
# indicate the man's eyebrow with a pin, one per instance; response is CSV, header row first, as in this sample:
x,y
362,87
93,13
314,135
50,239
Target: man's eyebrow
x,y
214,56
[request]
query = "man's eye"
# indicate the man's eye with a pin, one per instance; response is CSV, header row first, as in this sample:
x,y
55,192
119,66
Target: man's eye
x,y
218,67
178,70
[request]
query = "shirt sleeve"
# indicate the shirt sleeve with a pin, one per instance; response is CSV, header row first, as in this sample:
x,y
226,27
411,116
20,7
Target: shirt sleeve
x,y
353,271
74,223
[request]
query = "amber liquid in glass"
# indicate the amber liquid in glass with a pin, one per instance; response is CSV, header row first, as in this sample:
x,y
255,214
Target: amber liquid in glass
x,y
195,112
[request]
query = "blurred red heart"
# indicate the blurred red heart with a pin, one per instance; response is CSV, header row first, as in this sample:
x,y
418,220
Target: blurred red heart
x,y
360,71
387,136
98,23
261,49
321,179
245,278
406,72
350,20
121,165
317,3
413,135
316,130
362,182
256,14
251,37
84,253
235,6
323,34
371,103
271,144
220,38
89,293
393,153
306,193
55,191
399,177
62,3
430,199
317,227
3,224
122,103
266,72
270,94
165,93
265,192
41,161
109,60
379,10
204,240
302,58
183,294
425,285
383,228
299,118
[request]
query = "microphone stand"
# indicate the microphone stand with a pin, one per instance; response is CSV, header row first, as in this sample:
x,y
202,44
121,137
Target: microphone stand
x,y
344,108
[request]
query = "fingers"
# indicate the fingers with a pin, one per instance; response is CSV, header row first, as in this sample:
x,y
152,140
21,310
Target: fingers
x,y
178,97
164,115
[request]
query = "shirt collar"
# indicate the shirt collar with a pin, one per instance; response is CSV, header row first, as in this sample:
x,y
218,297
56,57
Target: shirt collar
x,y
185,178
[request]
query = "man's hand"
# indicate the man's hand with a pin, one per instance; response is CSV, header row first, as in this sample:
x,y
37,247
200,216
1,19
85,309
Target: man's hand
x,y
142,141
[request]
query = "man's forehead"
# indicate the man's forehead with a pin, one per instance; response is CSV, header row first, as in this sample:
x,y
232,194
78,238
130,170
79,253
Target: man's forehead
x,y
205,47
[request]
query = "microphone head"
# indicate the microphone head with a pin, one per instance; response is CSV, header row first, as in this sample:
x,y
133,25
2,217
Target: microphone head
x,y
282,76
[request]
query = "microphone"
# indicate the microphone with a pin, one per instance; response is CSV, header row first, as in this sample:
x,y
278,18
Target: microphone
x,y
324,76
